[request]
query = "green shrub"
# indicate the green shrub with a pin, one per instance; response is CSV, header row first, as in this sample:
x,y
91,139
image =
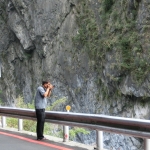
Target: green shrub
x,y
12,122
74,131
107,5
29,125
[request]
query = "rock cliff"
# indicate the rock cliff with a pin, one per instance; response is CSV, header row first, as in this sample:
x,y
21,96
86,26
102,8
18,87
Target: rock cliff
x,y
95,52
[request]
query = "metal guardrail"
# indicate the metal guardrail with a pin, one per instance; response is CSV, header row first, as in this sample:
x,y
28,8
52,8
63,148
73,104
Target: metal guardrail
x,y
128,126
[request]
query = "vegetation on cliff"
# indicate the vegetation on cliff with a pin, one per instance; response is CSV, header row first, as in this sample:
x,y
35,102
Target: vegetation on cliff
x,y
116,31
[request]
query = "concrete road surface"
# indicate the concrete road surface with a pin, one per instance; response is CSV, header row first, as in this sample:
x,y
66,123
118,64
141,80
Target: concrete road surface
x,y
10,140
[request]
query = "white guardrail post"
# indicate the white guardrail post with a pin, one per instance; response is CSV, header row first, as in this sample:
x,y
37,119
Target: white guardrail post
x,y
20,124
99,140
66,128
147,144
3,121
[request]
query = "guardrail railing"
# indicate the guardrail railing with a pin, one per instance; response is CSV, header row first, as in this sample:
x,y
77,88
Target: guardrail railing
x,y
120,125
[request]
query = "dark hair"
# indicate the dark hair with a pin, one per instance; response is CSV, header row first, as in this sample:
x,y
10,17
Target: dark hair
x,y
44,82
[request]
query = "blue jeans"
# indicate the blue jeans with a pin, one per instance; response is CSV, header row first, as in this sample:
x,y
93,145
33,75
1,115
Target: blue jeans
x,y
40,115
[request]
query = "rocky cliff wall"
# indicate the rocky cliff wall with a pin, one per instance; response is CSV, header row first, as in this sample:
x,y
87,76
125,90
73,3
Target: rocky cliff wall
x,y
95,52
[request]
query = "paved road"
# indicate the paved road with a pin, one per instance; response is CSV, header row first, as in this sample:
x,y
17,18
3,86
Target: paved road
x,y
15,141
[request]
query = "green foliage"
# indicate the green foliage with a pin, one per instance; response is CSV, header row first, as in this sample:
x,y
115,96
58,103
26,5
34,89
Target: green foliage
x,y
29,125
28,55
1,101
126,53
107,4
87,38
3,16
116,31
53,129
20,102
74,131
57,103
12,122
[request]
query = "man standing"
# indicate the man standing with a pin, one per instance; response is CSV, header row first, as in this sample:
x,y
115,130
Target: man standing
x,y
42,93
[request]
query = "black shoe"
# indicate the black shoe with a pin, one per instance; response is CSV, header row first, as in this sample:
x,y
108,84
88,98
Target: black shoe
x,y
39,139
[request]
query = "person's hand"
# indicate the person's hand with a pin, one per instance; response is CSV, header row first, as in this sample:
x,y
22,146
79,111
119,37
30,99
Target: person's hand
x,y
50,86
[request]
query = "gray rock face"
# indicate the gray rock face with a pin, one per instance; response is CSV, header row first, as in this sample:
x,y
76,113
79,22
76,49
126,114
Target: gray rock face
x,y
17,25
36,44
